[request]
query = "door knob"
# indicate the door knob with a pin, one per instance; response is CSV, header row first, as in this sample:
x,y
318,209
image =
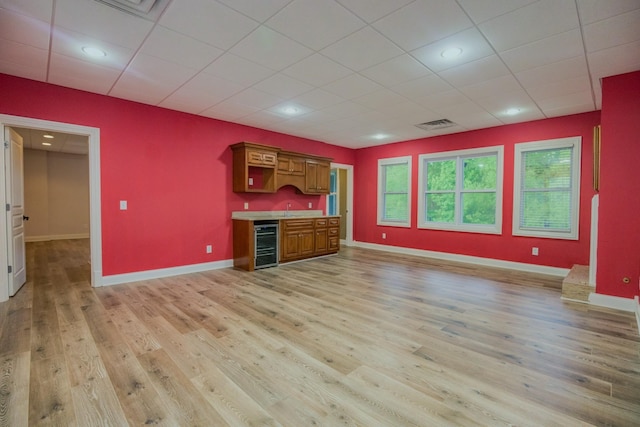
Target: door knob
x,y
25,218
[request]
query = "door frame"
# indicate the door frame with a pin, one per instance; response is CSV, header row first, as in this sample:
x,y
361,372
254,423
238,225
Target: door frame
x,y
349,219
95,217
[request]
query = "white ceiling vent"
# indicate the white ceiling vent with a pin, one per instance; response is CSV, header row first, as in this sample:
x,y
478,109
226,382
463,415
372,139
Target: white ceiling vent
x,y
436,124
148,9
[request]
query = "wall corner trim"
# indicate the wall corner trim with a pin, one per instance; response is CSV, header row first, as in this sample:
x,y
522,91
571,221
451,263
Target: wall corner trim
x,y
637,307
137,276
608,301
487,262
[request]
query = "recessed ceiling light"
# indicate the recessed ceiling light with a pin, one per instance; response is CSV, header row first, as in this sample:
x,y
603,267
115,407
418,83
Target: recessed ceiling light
x,y
290,110
46,143
512,111
94,52
451,52
380,136
46,135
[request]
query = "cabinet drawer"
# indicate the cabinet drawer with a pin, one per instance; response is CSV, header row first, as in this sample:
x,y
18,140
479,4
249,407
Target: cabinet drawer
x,y
294,224
261,158
334,231
334,222
321,222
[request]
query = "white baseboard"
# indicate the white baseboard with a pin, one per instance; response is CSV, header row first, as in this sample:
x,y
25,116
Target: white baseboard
x,y
137,276
636,301
618,303
56,237
489,262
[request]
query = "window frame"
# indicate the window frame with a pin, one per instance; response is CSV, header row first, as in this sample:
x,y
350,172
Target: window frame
x,y
574,142
459,156
381,193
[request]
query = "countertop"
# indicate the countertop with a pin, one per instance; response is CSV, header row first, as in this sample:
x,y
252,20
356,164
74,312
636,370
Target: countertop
x,y
258,215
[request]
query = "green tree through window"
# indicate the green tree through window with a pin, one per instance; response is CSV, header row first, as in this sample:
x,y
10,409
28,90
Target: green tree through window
x,y
394,183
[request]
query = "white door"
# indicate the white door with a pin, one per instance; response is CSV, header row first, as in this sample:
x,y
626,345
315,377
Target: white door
x,y
14,179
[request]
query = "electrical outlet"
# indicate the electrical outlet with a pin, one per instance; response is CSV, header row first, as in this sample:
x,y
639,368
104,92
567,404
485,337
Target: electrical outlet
x,y
250,181
310,205
209,249
123,205
384,235
534,251
246,205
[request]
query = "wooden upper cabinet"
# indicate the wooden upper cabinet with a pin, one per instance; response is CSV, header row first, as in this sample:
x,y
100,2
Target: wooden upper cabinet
x,y
254,168
317,174
261,168
291,165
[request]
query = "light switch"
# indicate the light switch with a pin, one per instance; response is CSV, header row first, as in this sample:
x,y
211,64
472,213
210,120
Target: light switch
x,y
246,205
123,205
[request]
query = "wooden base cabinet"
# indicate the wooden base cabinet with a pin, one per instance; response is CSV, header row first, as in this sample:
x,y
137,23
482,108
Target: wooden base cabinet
x,y
302,238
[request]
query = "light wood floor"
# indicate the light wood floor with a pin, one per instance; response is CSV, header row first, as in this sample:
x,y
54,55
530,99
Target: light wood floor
x,y
363,338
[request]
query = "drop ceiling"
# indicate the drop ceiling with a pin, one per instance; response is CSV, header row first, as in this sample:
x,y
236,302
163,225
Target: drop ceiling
x,y
353,73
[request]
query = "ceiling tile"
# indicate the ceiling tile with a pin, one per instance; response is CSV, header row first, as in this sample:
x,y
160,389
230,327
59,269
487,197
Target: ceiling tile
x,y
498,103
615,60
560,88
397,70
620,29
596,10
545,51
424,86
569,109
270,49
71,72
318,99
228,110
483,10
352,86
258,10
557,71
443,99
239,70
536,21
23,29
317,70
502,84
346,109
423,22
284,86
38,9
362,49
149,79
261,119
201,93
306,22
255,98
207,21
567,100
22,60
98,21
178,48
371,11
478,71
380,99
472,43
70,43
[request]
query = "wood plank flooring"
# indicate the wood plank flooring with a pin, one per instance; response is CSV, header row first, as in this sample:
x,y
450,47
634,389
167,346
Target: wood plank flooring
x,y
364,338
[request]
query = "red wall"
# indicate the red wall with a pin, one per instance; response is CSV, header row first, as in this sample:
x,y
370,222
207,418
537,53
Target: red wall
x,y
174,169
619,218
552,252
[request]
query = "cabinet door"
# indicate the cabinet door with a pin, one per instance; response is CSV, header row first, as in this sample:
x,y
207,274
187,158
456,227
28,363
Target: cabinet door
x,y
306,242
312,175
290,245
321,241
322,177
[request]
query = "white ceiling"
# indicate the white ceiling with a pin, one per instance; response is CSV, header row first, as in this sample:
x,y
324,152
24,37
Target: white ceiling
x,y
61,142
351,68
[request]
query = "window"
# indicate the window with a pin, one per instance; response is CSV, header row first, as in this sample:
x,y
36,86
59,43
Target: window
x,y
394,191
461,190
332,199
547,188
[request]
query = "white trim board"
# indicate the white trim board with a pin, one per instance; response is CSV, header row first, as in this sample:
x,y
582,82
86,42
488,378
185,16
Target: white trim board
x,y
608,301
57,237
488,262
636,300
95,210
160,273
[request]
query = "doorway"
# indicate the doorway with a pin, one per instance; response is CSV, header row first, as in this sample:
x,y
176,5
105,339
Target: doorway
x,y
95,232
340,199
